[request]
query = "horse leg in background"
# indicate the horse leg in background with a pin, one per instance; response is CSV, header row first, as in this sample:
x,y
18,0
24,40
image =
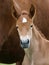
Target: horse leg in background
x,y
11,51
20,51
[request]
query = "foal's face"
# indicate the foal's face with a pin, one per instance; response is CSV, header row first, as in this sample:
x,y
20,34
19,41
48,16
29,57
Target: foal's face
x,y
24,26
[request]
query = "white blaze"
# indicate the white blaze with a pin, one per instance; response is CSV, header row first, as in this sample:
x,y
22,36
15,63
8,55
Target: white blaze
x,y
24,20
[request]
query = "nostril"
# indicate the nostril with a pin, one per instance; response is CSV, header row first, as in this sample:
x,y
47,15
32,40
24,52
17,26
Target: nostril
x,y
21,41
25,41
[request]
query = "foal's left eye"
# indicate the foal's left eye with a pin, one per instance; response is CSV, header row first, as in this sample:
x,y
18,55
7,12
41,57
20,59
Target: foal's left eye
x,y
31,26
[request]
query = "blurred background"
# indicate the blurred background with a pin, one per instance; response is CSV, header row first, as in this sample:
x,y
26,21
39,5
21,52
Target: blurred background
x,y
7,64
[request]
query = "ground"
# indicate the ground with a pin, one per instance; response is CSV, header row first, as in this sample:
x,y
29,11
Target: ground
x,y
7,64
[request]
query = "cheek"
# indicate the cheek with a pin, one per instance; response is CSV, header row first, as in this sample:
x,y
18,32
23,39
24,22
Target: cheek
x,y
19,32
30,33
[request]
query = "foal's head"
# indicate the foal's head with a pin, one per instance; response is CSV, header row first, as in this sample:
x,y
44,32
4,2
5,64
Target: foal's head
x,y
24,25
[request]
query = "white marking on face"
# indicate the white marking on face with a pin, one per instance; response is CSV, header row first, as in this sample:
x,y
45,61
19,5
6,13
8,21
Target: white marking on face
x,y
24,38
24,20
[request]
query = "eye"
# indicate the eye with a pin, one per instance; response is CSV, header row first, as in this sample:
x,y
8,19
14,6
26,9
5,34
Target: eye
x,y
16,26
31,26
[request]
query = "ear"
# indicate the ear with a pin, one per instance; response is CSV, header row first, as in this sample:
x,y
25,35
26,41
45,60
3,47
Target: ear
x,y
32,11
14,13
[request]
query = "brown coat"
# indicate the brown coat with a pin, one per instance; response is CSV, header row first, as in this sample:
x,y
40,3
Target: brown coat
x,y
10,49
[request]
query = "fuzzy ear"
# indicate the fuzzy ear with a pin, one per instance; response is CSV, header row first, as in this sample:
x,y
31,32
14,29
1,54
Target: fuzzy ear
x,y
32,11
15,14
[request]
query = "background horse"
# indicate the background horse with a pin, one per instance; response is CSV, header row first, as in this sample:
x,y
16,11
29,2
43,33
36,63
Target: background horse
x,y
10,49
42,16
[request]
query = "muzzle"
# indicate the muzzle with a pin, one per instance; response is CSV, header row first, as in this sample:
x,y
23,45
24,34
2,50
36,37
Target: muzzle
x,y
25,43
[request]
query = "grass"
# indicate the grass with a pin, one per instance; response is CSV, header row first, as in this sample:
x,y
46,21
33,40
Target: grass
x,y
7,64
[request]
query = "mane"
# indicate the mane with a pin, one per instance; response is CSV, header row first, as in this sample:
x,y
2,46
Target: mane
x,y
41,34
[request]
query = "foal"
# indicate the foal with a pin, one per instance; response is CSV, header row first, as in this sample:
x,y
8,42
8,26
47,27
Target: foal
x,y
30,37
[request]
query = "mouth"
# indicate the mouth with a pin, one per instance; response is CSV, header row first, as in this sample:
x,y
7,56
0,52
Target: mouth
x,y
24,45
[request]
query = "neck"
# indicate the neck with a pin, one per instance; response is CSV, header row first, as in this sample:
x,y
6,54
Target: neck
x,y
37,41
39,49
